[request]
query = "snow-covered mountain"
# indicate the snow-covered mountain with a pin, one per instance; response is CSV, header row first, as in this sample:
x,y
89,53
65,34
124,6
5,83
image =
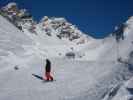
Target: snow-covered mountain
x,y
49,31
54,27
84,68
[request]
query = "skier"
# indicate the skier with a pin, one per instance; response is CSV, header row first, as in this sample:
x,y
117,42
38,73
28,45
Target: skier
x,y
47,75
119,32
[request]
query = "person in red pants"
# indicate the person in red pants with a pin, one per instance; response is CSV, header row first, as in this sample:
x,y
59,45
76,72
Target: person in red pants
x,y
47,75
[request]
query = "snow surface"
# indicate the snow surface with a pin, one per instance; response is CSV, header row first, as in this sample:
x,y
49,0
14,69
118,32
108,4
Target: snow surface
x,y
94,76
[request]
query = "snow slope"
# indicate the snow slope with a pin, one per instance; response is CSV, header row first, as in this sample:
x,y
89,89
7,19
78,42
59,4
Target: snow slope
x,y
74,83
12,43
95,76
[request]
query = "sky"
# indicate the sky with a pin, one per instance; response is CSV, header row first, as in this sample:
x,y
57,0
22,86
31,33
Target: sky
x,y
94,17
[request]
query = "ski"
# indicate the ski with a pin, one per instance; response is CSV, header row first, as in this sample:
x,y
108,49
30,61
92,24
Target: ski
x,y
41,78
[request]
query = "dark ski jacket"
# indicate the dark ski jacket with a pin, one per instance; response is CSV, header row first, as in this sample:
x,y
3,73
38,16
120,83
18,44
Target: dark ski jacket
x,y
48,66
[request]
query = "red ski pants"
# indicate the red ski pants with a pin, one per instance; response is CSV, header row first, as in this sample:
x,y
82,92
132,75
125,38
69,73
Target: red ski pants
x,y
48,76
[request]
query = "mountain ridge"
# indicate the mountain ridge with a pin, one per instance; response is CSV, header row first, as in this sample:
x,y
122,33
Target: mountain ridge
x,y
50,26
